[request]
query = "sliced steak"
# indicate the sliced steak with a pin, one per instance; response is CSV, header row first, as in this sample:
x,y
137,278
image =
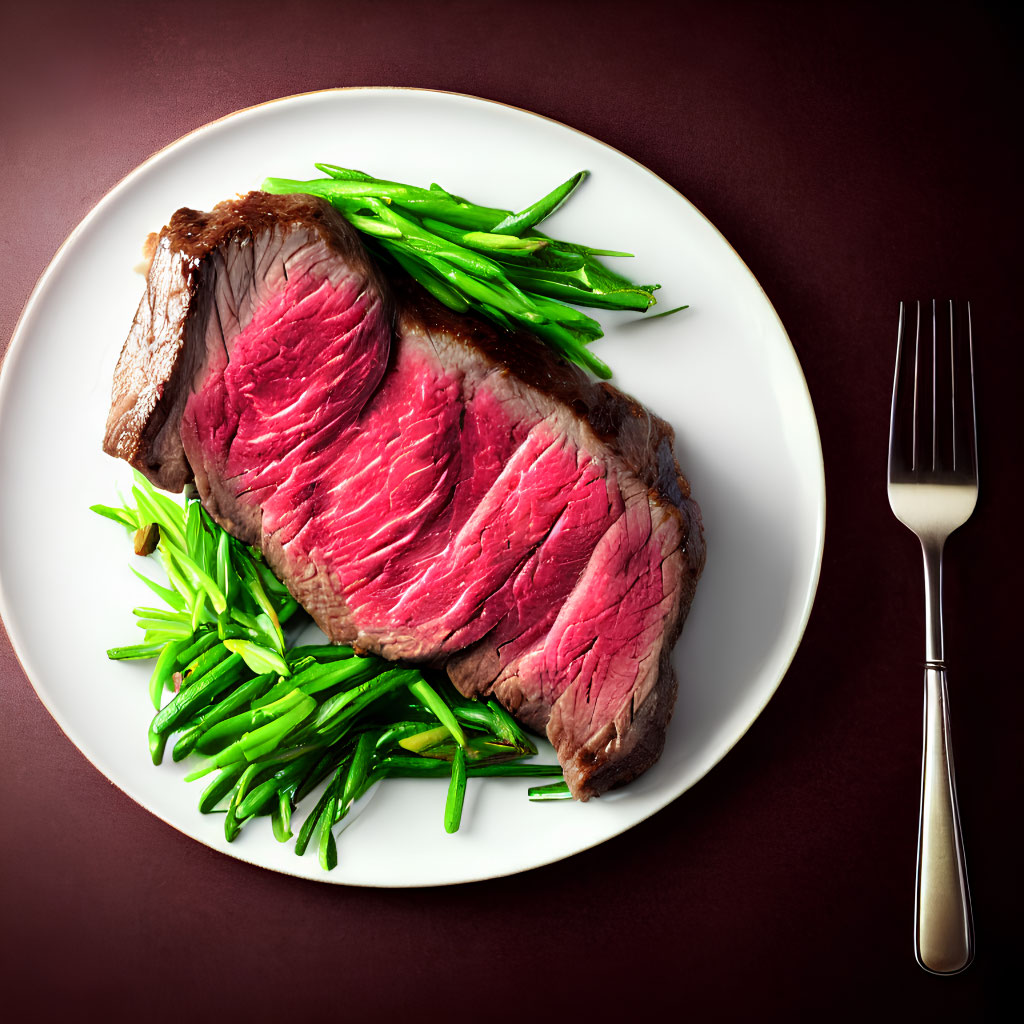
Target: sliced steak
x,y
286,267
432,489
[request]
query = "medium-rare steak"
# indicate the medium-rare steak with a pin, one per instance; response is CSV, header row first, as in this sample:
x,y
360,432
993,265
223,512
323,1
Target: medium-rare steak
x,y
429,487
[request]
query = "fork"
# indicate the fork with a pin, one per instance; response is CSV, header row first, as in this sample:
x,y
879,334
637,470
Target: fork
x,y
933,488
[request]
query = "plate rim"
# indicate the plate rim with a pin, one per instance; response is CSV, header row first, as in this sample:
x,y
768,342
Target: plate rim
x,y
811,583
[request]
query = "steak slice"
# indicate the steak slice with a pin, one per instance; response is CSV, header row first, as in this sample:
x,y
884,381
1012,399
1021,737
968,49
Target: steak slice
x,y
429,487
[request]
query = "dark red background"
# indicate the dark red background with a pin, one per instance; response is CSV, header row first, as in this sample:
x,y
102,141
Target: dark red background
x,y
854,155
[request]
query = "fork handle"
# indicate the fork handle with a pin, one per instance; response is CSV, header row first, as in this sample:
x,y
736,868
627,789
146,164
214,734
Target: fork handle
x,y
944,932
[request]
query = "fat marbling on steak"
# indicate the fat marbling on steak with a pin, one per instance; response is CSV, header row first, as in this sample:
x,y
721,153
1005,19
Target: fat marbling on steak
x,y
429,487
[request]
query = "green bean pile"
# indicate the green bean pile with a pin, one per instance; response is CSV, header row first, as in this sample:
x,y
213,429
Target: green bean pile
x,y
275,721
490,260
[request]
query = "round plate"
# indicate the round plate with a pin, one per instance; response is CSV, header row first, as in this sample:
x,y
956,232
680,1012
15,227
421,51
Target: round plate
x,y
723,373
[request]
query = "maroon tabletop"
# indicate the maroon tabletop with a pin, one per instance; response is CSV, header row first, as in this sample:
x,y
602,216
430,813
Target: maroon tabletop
x,y
854,154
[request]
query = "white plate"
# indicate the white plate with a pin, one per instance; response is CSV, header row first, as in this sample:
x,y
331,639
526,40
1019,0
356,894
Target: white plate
x,y
723,373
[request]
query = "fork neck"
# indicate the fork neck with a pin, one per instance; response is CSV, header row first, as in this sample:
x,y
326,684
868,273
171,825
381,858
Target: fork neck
x,y
931,549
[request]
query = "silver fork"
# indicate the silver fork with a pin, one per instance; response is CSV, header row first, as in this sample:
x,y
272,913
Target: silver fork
x,y
933,488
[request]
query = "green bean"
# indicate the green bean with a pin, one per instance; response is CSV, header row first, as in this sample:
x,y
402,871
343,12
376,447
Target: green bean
x,y
232,822
219,788
358,769
353,668
226,577
135,652
185,743
258,657
340,188
157,745
306,831
202,579
177,580
211,656
343,173
178,612
342,707
166,665
456,793
456,212
122,516
251,578
517,770
327,849
666,312
199,692
429,697
329,651
425,767
567,289
202,642
370,226
553,791
193,535
517,223
281,818
173,627
166,594
485,241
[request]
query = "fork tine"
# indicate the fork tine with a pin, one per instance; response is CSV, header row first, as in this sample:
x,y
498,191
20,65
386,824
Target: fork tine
x,y
915,456
952,374
966,437
903,424
935,384
893,421
896,419
955,427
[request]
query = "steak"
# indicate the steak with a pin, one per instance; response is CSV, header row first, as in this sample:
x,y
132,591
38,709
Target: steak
x,y
429,487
